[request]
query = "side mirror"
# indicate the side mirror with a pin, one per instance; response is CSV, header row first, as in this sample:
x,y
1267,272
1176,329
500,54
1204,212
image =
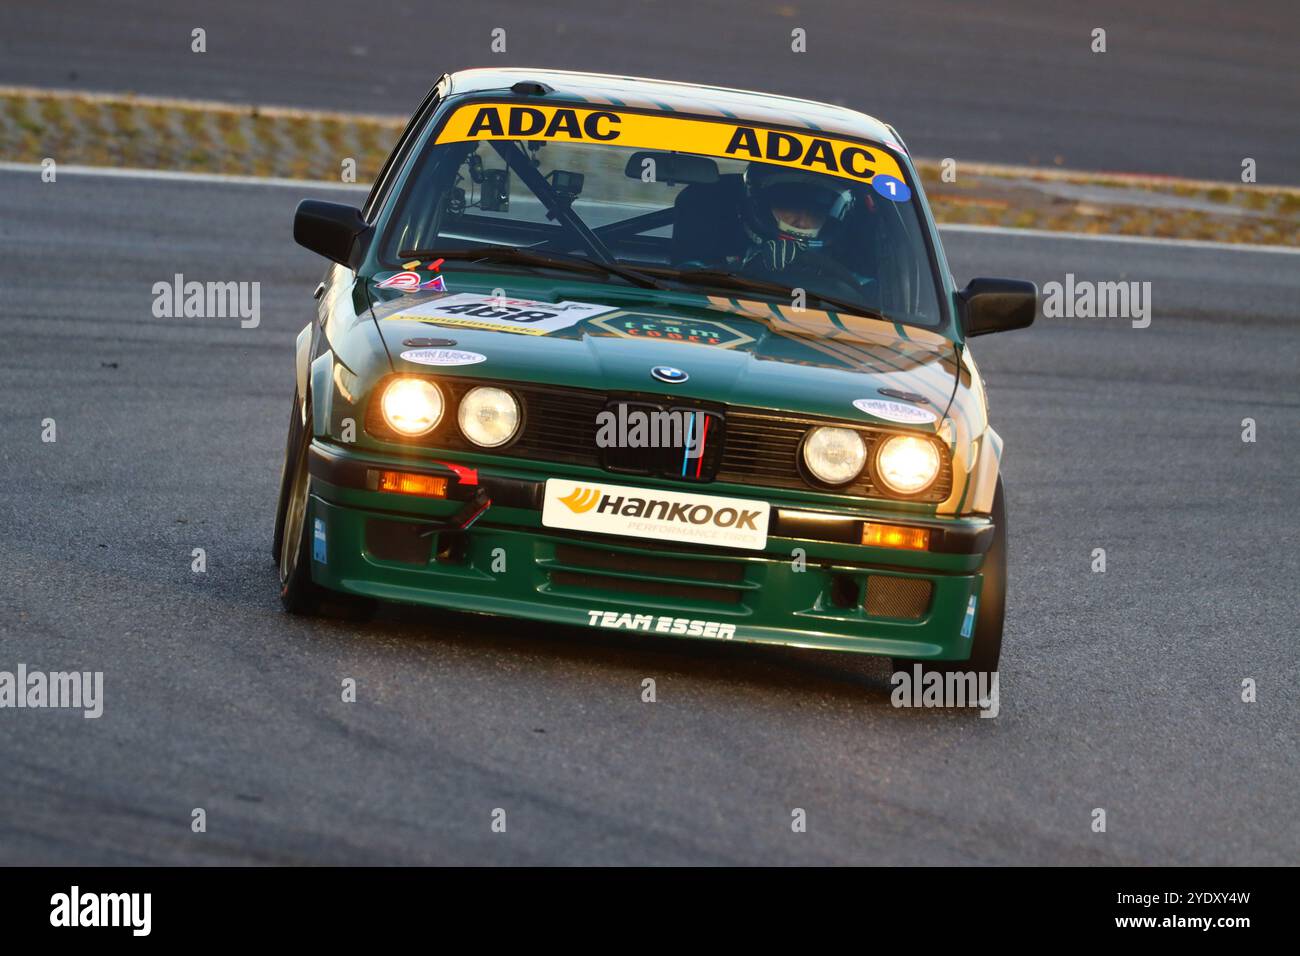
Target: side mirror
x,y
997,305
330,229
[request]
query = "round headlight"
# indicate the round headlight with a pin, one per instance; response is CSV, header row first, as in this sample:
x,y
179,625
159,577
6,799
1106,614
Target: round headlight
x,y
834,455
412,406
488,416
907,465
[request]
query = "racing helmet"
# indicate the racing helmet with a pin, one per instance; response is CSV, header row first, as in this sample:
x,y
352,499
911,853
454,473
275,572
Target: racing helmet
x,y
771,189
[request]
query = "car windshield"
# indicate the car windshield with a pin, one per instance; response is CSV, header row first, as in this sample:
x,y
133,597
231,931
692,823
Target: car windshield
x,y
673,202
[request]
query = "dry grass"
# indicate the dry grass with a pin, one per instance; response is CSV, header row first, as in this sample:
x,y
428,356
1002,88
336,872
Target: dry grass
x,y
150,133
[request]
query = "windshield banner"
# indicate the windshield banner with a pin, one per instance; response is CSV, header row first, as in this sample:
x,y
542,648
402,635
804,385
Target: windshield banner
x,y
727,139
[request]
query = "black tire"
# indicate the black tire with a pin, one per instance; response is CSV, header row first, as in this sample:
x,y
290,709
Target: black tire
x,y
986,639
291,442
298,592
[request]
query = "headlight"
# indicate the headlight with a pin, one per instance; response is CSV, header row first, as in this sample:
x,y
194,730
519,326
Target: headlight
x,y
412,406
907,465
834,455
488,416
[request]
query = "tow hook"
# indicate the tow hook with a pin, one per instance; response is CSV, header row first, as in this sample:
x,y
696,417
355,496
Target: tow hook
x,y
468,513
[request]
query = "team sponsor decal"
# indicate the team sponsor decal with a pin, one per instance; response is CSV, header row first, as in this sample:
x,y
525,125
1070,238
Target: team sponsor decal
x,y
412,282
723,138
661,624
895,411
501,314
669,329
443,357
968,621
651,513
319,541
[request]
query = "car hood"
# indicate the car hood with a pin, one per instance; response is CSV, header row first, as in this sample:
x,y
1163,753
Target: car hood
x,y
734,352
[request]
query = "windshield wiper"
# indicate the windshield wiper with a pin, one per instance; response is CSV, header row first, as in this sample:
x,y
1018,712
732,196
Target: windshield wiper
x,y
534,257
729,280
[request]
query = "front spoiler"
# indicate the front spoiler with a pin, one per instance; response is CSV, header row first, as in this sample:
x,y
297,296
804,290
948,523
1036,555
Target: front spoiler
x,y
346,470
508,564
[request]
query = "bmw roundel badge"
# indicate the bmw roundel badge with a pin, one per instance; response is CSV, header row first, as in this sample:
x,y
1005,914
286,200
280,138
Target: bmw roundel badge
x,y
666,373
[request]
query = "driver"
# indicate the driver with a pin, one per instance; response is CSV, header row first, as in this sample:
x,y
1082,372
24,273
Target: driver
x,y
786,213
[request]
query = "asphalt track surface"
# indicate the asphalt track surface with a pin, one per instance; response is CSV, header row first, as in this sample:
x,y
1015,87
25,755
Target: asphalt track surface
x,y
1184,88
1119,690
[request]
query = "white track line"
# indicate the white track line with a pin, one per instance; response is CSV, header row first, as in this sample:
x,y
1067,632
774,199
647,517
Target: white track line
x,y
1107,237
229,179
182,177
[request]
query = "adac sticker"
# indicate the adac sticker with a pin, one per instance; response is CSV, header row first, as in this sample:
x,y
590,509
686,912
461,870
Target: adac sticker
x,y
412,282
527,316
726,138
443,357
895,411
892,189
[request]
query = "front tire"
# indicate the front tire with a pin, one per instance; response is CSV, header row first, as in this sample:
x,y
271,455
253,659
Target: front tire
x,y
298,592
986,638
293,437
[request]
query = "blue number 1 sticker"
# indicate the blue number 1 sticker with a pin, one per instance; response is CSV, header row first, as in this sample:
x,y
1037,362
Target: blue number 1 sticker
x,y
895,190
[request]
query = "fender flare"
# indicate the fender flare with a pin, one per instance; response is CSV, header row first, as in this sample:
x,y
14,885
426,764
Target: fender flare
x,y
302,359
986,472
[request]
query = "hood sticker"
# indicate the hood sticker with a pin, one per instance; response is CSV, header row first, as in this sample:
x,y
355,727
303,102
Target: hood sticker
x,y
412,282
497,313
896,411
443,357
665,328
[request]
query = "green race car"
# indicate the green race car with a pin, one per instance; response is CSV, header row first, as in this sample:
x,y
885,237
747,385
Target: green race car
x,y
655,358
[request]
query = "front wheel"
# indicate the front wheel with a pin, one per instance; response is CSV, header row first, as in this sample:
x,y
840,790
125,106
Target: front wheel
x,y
986,637
298,592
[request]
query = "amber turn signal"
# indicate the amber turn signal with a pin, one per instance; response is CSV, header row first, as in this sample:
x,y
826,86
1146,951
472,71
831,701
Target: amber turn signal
x,y
895,536
406,483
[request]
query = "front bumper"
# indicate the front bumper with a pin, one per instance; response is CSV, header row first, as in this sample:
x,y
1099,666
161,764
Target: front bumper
x,y
813,586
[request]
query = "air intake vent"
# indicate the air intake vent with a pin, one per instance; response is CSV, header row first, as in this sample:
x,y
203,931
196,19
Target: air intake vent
x,y
530,88
906,598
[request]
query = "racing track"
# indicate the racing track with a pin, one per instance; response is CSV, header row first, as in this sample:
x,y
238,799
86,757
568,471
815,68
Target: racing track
x,y
1184,89
1120,690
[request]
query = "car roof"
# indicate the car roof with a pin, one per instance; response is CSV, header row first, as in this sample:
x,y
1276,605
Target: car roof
x,y
669,97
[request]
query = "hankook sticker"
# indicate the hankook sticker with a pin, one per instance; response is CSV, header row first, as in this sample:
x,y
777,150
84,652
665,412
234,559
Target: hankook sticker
x,y
655,514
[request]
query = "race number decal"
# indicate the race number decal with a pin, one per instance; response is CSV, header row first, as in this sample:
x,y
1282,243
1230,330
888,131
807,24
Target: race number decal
x,y
477,311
